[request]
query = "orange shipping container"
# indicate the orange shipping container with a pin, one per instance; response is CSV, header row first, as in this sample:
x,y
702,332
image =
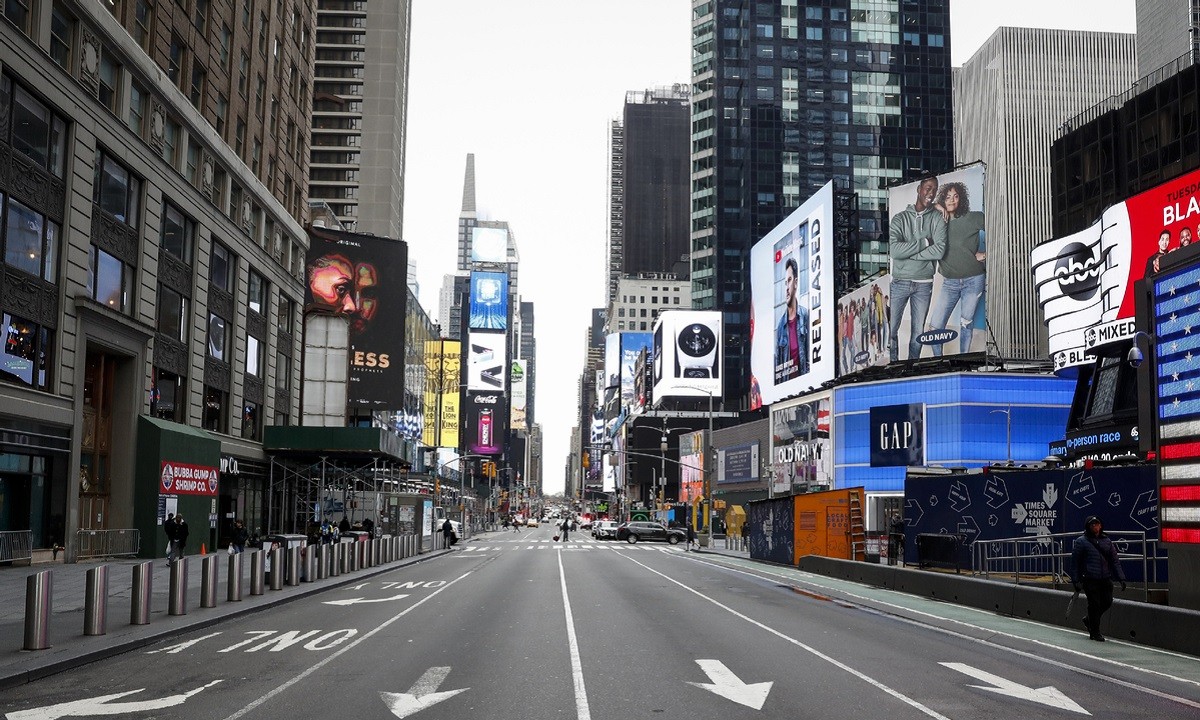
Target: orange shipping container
x,y
830,524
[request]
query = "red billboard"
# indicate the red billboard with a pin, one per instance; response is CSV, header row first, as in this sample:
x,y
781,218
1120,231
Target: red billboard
x,y
179,478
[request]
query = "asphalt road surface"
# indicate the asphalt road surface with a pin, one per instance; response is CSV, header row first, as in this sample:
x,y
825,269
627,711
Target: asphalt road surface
x,y
517,627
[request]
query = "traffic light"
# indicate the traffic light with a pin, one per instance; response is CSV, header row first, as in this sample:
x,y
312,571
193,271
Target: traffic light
x,y
587,460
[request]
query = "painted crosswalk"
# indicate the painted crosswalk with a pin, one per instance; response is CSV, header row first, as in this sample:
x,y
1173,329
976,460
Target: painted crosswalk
x,y
501,545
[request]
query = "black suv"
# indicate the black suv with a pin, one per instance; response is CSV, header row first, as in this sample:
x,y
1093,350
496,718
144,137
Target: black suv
x,y
634,531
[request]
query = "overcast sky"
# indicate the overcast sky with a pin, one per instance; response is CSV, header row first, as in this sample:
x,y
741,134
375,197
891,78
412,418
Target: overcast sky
x,y
530,86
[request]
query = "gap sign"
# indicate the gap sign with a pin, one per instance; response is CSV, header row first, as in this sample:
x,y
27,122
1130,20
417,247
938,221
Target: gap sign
x,y
898,435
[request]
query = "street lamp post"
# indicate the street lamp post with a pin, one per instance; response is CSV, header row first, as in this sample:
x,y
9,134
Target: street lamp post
x,y
709,460
1008,430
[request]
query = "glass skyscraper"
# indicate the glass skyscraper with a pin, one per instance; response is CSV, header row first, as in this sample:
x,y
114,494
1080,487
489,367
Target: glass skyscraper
x,y
788,95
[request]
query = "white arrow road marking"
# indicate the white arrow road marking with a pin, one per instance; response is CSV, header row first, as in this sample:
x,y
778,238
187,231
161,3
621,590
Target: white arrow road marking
x,y
359,601
421,695
101,705
1045,695
731,687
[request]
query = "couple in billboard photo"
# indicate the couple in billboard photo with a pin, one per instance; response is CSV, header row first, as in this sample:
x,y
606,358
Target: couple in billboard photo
x,y
938,243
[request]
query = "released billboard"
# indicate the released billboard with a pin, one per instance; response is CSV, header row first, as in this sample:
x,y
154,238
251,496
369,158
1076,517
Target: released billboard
x,y
489,245
1084,282
363,277
938,263
632,345
489,301
791,287
443,367
517,377
486,361
802,444
687,354
486,422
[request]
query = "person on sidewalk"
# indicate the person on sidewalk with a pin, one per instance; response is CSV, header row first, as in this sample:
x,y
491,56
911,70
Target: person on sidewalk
x,y
566,528
240,536
691,538
1096,565
179,540
169,529
447,533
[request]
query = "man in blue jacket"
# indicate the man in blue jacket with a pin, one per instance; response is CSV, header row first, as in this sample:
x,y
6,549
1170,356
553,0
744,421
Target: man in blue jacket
x,y
1096,565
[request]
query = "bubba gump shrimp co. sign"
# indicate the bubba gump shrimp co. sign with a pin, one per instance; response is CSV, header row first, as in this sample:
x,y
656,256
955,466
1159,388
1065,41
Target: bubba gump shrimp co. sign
x,y
183,479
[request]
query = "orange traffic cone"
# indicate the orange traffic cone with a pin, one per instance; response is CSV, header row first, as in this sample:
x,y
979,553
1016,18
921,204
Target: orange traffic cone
x,y
203,551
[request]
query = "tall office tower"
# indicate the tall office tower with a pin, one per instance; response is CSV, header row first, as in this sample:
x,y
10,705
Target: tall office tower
x,y
1167,31
153,257
1010,100
360,112
787,96
650,183
528,353
492,242
640,298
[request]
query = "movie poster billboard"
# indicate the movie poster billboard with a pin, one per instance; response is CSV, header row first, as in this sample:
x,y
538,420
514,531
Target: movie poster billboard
x,y
632,344
937,255
517,377
489,245
443,365
802,444
486,422
486,361
686,354
363,277
1084,282
489,301
792,304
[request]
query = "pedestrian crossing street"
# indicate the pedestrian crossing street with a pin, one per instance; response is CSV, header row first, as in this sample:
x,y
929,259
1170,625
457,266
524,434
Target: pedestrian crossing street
x,y
500,545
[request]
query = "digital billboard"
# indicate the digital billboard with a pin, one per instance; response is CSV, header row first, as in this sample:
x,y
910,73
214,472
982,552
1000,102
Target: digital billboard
x,y
791,289
363,277
1084,282
612,360
486,422
691,465
489,245
802,444
936,300
687,354
517,378
632,344
489,301
443,366
486,361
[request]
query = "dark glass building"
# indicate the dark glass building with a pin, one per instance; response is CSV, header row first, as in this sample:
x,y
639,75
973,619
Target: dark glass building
x,y
787,96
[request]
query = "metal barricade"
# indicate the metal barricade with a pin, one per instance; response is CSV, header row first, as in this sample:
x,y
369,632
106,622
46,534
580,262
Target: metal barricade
x,y
95,601
39,592
120,542
16,545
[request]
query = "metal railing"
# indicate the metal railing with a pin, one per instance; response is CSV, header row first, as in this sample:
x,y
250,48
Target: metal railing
x,y
16,545
1049,556
108,543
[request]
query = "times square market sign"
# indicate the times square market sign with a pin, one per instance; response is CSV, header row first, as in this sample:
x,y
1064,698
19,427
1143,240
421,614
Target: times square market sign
x,y
177,478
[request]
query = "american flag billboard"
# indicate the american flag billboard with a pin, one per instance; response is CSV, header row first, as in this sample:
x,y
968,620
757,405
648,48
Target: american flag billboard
x,y
1176,308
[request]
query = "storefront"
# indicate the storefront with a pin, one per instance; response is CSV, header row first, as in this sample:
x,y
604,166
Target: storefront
x,y
33,480
176,473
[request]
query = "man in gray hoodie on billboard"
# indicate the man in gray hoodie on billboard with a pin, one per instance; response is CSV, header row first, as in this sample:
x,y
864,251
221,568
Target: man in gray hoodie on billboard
x,y
916,239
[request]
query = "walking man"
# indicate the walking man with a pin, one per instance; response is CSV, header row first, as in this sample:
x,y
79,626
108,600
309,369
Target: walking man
x,y
169,529
179,540
1096,565
566,528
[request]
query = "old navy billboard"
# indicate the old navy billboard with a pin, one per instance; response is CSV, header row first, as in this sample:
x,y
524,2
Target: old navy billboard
x,y
1084,282
363,277
802,444
792,313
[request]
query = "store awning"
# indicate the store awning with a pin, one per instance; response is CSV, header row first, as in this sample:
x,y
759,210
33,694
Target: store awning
x,y
341,442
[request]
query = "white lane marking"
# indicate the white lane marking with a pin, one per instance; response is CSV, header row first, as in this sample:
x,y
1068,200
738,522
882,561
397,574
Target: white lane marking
x,y
421,695
180,647
360,601
581,702
103,705
1047,695
731,687
807,648
333,656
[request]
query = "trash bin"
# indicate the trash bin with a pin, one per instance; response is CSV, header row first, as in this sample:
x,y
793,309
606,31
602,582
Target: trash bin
x,y
942,550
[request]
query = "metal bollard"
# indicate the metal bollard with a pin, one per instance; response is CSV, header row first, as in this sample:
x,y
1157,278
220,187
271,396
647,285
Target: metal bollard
x,y
363,555
39,589
277,569
310,563
257,572
177,597
369,553
366,554
335,559
233,578
352,556
377,552
208,581
95,601
143,585
293,566
322,562
388,550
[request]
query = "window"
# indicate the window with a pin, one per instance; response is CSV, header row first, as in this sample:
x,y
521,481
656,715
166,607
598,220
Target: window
x,y
214,415
17,12
222,113
199,76
260,90
170,149
110,80
235,203
251,421
168,396
262,33
178,232
255,155
30,241
283,314
243,75
62,37
172,314
143,21
218,338
283,375
137,108
239,138
220,271
226,41
116,190
255,356
257,296
37,132
27,347
110,281
192,170
201,15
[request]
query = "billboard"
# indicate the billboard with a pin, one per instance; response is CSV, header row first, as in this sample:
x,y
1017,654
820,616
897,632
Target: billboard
x,y
363,277
632,345
738,464
489,301
487,422
936,300
443,365
687,354
691,466
517,374
791,289
802,444
898,435
486,361
1084,282
864,327
489,245
612,360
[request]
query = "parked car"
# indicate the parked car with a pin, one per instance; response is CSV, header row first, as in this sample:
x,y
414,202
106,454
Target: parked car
x,y
633,532
605,530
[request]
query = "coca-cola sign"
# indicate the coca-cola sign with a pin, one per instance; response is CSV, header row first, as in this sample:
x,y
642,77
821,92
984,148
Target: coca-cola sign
x,y
487,399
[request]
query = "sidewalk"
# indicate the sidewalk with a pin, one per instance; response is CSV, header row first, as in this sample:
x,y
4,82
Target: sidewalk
x,y
69,647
